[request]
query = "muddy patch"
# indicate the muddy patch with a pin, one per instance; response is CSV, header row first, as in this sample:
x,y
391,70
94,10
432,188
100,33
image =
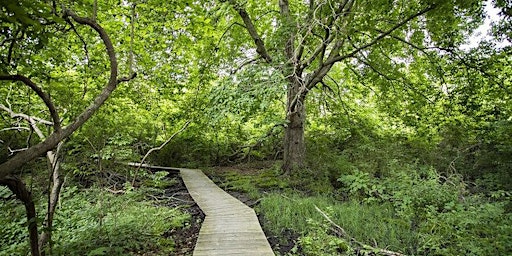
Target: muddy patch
x,y
178,197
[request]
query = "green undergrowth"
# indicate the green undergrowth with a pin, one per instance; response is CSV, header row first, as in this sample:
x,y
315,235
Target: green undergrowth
x,y
95,221
252,184
412,209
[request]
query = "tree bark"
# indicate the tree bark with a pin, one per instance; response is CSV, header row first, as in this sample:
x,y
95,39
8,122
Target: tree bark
x,y
294,144
53,198
23,194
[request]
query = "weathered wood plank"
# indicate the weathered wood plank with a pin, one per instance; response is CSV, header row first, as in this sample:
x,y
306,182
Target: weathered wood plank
x,y
230,227
154,167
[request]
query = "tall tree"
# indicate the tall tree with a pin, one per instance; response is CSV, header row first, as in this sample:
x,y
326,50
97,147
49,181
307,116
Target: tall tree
x,y
304,40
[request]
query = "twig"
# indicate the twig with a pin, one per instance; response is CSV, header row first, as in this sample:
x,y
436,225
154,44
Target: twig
x,y
342,231
156,198
115,191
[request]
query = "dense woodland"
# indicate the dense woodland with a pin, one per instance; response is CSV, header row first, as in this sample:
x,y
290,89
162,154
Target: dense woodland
x,y
356,127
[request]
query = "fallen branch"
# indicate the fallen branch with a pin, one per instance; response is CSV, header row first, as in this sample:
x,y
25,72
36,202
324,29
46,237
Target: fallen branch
x,y
339,229
170,198
115,192
158,148
341,232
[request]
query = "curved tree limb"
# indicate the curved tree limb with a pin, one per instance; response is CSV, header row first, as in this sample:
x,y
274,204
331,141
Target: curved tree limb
x,y
51,141
158,148
21,191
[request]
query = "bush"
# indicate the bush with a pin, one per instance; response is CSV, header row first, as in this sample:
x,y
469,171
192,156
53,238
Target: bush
x,y
440,211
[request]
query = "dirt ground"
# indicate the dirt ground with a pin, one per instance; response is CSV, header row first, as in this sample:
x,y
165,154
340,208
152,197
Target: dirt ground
x,y
185,238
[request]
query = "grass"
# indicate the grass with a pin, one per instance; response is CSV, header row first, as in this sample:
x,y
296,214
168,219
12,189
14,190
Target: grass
x,y
414,211
364,222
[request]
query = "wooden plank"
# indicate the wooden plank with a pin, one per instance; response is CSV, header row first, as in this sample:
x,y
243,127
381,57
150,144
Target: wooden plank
x,y
230,227
154,167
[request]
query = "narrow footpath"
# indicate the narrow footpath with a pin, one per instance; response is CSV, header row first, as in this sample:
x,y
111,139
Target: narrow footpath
x,y
230,227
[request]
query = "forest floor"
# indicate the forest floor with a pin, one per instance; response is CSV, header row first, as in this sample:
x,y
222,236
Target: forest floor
x,y
185,238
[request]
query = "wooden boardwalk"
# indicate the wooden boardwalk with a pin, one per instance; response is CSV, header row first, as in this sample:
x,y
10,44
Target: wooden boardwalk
x,y
230,227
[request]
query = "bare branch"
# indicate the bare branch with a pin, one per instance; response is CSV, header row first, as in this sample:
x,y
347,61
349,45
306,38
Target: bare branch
x,y
24,116
44,96
342,233
245,64
158,148
12,151
18,128
330,33
81,39
226,31
319,49
11,46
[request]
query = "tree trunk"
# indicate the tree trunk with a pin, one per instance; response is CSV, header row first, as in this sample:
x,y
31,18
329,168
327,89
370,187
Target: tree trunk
x,y
294,145
53,198
23,194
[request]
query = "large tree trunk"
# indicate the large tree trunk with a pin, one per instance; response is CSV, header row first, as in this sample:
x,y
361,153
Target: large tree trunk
x,y
294,145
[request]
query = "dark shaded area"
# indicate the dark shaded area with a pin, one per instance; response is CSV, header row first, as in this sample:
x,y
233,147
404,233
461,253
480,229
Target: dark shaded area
x,y
185,237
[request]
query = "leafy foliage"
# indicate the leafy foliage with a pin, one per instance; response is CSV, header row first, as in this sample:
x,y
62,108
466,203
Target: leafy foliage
x,y
96,222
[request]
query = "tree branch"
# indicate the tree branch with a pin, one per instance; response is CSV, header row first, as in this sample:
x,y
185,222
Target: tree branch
x,y
226,31
260,45
32,120
21,191
158,148
51,141
334,55
342,233
24,116
337,58
81,39
11,46
284,8
44,96
330,33
248,62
